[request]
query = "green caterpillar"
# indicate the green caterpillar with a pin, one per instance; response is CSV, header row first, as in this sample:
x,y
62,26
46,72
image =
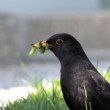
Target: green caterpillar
x,y
41,46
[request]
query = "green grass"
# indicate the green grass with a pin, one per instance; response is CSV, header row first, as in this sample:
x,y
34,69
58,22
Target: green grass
x,y
44,98
106,75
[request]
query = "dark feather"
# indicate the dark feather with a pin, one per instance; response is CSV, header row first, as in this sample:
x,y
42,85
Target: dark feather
x,y
79,76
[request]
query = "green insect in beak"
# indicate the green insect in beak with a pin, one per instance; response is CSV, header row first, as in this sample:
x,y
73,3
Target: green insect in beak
x,y
42,46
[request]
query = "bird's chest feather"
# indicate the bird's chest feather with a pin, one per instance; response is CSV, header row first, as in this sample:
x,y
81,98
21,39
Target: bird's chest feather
x,y
72,84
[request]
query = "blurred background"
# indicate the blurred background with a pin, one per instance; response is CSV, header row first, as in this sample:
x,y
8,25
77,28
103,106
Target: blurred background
x,y
23,22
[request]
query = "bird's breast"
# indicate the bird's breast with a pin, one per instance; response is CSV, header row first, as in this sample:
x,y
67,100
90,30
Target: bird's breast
x,y
72,84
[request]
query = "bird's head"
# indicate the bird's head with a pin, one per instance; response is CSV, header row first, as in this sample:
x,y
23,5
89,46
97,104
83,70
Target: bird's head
x,y
61,45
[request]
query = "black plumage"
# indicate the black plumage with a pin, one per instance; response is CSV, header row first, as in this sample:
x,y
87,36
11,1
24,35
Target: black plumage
x,y
79,76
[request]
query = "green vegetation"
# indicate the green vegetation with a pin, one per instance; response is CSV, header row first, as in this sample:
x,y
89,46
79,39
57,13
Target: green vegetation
x,y
106,75
42,46
44,97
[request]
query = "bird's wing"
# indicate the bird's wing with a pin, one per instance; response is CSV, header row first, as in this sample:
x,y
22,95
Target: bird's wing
x,y
102,86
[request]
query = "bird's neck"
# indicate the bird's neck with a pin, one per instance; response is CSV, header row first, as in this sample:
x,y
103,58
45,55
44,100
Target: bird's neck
x,y
72,58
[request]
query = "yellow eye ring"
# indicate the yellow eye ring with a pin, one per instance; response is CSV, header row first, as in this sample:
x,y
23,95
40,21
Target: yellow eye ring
x,y
59,41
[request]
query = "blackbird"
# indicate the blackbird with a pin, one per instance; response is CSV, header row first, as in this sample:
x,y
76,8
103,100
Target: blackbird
x,y
83,87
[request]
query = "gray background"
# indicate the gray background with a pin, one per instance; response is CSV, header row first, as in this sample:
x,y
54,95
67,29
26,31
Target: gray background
x,y
18,32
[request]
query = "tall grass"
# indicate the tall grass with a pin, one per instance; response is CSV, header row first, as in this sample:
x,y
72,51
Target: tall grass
x,y
45,97
41,99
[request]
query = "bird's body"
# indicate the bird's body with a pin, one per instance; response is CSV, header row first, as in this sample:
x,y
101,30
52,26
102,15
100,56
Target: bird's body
x,y
82,86
81,77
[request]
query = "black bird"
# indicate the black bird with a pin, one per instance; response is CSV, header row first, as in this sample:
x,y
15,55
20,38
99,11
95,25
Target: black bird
x,y
82,85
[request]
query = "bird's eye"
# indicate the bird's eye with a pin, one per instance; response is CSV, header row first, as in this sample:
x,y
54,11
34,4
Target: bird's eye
x,y
59,41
